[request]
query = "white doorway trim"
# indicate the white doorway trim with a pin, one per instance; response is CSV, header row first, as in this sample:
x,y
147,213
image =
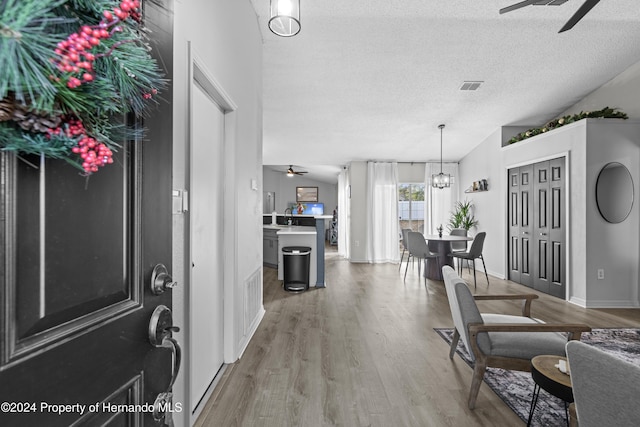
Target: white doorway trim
x,y
200,75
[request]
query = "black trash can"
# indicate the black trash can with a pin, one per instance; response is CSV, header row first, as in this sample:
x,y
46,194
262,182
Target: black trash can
x,y
296,261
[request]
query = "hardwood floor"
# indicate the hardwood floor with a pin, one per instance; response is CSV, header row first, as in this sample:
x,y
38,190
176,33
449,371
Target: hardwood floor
x,y
363,352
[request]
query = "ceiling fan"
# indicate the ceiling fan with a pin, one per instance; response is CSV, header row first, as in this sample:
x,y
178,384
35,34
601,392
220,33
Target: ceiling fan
x,y
291,172
584,9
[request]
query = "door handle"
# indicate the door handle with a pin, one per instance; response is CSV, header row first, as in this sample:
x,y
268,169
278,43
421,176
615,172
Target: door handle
x,y
161,280
543,234
526,233
161,329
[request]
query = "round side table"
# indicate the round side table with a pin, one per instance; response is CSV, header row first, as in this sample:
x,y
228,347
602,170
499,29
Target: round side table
x,y
547,376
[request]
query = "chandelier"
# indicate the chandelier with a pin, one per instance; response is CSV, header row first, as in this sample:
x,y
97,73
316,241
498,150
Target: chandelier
x,y
441,180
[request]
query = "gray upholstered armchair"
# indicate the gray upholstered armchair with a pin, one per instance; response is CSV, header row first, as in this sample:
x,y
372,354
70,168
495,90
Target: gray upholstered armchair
x,y
604,387
499,340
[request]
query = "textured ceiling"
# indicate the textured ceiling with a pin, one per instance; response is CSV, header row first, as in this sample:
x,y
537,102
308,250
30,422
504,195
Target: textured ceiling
x,y
372,79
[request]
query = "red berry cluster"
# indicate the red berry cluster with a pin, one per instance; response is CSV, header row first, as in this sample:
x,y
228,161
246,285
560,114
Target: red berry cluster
x,y
154,91
73,53
128,8
94,154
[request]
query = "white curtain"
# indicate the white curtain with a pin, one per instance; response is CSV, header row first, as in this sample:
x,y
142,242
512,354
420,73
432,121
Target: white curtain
x,y
440,202
382,212
344,205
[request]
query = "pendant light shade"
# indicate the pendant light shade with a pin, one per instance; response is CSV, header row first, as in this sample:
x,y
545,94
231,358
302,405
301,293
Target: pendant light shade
x,y
441,180
285,17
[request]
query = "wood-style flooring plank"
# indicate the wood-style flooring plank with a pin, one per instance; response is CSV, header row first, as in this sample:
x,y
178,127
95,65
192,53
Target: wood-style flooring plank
x,y
363,352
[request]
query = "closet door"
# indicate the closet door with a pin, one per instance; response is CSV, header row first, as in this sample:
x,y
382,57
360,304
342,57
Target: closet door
x,y
514,249
541,226
526,223
537,229
520,224
557,229
549,229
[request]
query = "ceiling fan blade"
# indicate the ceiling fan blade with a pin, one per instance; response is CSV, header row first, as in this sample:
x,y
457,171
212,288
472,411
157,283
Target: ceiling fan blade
x,y
517,6
584,9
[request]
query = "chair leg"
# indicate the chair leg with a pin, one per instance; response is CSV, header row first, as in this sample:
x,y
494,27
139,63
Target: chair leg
x,y
475,285
478,373
485,269
401,258
454,343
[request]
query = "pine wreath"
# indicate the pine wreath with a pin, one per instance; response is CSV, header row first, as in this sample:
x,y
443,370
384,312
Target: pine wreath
x,y
68,67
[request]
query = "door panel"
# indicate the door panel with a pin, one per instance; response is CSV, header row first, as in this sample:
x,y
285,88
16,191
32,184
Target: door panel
x,y
526,223
77,256
520,224
513,177
52,263
540,229
557,229
207,251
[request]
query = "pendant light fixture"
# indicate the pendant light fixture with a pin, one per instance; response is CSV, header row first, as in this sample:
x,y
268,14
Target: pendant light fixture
x,y
441,180
285,17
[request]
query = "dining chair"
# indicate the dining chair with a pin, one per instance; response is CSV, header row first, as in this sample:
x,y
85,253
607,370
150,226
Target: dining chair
x,y
405,244
419,249
458,246
474,252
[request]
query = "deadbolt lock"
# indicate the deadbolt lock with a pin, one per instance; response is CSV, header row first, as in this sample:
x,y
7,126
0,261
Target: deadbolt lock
x,y
161,280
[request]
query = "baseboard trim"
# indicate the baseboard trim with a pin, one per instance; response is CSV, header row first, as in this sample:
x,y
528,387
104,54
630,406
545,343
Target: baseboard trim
x,y
604,303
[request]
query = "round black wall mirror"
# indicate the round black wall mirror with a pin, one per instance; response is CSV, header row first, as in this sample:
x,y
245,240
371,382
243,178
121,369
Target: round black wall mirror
x,y
614,192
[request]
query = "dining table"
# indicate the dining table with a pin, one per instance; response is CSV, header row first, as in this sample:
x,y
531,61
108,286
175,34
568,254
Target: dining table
x,y
433,268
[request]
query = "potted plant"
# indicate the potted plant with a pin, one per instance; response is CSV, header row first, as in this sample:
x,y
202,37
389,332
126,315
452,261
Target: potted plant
x,y
462,217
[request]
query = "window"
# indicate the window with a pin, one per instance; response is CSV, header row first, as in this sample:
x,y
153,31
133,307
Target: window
x,y
411,206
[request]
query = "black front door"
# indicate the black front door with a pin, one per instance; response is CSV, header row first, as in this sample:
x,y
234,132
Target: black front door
x,y
75,281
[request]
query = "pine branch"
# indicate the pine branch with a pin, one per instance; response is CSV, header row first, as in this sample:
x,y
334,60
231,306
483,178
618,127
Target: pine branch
x,y
28,32
132,70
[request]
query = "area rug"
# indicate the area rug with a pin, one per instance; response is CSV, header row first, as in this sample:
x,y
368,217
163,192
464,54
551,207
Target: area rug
x,y
516,388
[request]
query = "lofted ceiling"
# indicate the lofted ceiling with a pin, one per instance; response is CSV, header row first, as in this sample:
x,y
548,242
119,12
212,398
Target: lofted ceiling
x,y
373,79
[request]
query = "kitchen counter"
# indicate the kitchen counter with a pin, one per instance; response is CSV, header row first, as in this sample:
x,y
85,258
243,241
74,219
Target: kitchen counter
x,y
291,229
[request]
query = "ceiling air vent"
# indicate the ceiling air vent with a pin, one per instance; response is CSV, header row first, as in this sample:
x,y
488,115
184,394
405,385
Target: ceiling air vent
x,y
470,85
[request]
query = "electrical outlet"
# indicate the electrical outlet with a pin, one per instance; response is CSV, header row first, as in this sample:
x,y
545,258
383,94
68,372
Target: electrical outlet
x,y
357,243
600,273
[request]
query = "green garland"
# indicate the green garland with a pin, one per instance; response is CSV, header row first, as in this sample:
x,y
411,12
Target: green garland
x,y
605,113
69,67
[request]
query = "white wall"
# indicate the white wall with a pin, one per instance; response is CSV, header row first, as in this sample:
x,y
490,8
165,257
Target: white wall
x,y
612,247
358,219
225,36
285,189
622,92
488,206
411,172
594,243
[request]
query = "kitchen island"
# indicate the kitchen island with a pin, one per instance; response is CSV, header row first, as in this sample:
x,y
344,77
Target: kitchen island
x,y
316,222
295,235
